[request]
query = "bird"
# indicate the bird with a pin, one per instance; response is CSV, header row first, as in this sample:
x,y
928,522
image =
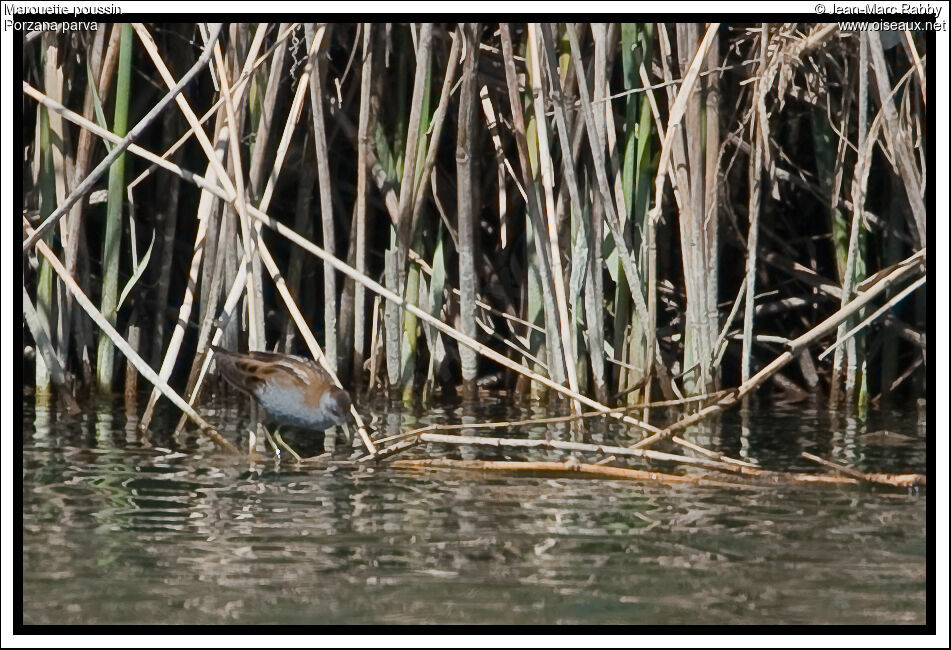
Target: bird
x,y
293,390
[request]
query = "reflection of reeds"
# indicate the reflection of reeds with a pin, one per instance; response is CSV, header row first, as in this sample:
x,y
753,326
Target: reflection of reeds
x,y
554,142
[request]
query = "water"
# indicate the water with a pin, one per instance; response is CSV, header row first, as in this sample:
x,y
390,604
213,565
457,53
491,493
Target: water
x,y
117,529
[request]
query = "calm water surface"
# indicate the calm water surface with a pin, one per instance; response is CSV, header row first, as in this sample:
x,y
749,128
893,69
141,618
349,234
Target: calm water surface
x,y
117,529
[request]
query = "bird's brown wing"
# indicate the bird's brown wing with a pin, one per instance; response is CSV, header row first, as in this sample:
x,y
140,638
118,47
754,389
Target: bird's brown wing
x,y
249,371
286,362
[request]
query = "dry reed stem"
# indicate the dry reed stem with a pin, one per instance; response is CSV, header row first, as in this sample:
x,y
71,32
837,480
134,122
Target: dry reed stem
x,y
919,68
216,267
262,133
848,471
292,117
552,420
374,336
605,41
426,434
755,186
758,152
87,184
231,302
109,62
604,37
53,152
553,337
719,347
905,375
845,336
205,205
144,369
650,240
256,334
522,350
428,270
691,219
503,162
678,171
815,39
574,468
898,143
392,450
95,129
710,222
894,480
568,469
548,181
363,145
468,237
562,445
317,71
186,108
237,89
902,269
676,115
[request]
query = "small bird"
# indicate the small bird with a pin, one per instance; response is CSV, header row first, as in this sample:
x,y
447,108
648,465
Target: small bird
x,y
294,391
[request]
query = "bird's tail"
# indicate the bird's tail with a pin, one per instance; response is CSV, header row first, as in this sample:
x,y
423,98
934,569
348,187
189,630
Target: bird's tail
x,y
227,367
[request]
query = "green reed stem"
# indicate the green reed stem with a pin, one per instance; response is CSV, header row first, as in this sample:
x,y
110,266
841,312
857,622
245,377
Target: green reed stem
x,y
113,230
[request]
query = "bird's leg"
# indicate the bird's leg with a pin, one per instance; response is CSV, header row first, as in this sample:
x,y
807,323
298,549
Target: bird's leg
x,y
270,439
280,441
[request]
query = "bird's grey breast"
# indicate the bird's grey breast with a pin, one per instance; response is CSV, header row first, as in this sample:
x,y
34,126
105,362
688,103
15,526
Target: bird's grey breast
x,y
288,405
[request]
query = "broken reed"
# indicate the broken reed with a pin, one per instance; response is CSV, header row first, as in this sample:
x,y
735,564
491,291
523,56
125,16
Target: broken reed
x,y
625,209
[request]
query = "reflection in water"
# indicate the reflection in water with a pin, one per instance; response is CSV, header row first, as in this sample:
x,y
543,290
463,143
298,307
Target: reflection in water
x,y
159,533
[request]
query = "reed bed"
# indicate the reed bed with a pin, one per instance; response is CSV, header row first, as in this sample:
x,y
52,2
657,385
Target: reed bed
x,y
594,215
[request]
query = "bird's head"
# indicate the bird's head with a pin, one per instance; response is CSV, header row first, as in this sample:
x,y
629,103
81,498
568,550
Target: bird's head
x,y
336,403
